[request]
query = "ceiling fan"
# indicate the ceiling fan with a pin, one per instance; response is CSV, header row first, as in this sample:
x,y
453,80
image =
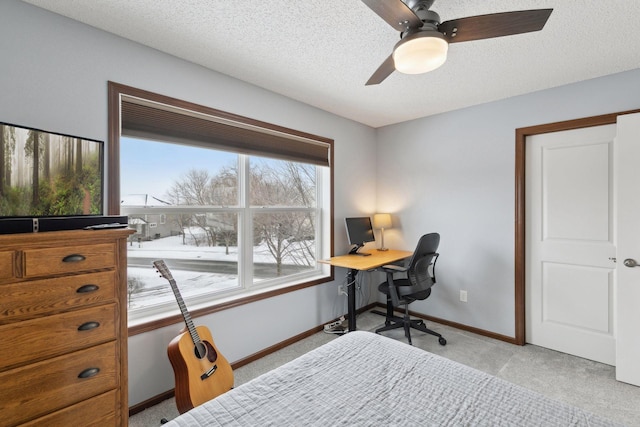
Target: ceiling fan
x,y
425,40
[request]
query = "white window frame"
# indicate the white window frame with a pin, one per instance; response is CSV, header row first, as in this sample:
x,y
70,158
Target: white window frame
x,y
246,283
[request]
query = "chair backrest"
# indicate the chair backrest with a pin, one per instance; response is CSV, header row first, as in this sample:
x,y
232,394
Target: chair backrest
x,y
428,244
423,257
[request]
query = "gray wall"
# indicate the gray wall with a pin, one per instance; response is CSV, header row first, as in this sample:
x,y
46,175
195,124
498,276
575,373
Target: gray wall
x,y
53,76
454,174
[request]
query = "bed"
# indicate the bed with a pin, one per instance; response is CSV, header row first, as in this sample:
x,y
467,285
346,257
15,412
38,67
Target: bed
x,y
364,379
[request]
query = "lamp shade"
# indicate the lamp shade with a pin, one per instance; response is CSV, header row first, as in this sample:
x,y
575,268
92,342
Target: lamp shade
x,y
382,220
420,52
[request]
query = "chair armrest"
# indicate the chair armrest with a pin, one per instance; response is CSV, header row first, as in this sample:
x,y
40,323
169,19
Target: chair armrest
x,y
391,268
433,267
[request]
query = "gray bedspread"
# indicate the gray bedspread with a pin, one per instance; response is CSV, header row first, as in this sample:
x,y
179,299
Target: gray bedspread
x,y
363,379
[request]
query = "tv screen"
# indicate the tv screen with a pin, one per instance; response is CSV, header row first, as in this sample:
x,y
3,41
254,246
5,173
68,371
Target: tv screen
x,y
49,174
359,230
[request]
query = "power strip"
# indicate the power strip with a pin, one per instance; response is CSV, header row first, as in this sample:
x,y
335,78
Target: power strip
x,y
329,327
338,330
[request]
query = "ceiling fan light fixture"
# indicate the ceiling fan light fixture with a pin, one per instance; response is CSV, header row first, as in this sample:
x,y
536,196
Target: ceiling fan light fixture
x,y
420,52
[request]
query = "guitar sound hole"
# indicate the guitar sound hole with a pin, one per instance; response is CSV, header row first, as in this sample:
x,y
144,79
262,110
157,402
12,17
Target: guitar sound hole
x,y
205,349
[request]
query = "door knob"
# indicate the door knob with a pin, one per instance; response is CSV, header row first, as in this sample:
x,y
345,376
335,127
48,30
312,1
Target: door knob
x,y
630,263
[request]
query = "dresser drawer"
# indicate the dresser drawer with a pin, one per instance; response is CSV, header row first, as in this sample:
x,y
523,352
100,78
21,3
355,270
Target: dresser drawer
x,y
31,391
96,412
68,259
46,337
6,265
26,300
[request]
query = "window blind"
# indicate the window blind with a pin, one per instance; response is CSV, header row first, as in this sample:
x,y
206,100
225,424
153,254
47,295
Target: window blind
x,y
161,122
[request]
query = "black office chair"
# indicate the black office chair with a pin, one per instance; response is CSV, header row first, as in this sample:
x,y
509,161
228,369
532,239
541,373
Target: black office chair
x,y
420,277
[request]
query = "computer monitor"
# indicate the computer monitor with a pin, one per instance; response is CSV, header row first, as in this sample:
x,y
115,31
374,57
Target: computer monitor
x,y
359,232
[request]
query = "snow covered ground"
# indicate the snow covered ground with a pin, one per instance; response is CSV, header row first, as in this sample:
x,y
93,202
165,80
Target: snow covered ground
x,y
156,290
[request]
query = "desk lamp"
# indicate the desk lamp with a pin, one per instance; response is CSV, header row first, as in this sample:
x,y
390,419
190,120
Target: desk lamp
x,y
382,221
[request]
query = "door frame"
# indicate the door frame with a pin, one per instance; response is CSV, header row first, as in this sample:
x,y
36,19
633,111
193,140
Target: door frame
x,y
520,224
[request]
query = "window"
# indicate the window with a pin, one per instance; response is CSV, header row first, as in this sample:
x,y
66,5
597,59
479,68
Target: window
x,y
238,209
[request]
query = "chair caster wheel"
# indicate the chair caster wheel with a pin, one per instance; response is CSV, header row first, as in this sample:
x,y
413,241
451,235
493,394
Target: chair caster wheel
x,y
442,341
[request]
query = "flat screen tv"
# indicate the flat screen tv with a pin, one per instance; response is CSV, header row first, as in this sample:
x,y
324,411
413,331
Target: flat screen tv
x,y
46,174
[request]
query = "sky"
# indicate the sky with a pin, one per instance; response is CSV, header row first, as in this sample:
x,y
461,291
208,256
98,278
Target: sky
x,y
151,167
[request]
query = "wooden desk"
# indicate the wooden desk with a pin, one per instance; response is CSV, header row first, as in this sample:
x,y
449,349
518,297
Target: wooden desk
x,y
355,263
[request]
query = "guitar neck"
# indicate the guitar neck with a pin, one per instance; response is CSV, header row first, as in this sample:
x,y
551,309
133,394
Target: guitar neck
x,y
164,272
185,313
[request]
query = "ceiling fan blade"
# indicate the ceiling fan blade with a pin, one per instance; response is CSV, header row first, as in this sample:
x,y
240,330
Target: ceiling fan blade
x,y
383,71
494,25
395,13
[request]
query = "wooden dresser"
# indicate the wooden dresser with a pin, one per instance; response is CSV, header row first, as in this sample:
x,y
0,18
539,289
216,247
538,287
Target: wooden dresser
x,y
63,328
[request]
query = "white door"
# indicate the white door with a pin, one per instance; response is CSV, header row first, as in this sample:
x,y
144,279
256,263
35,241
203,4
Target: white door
x,y
570,282
628,221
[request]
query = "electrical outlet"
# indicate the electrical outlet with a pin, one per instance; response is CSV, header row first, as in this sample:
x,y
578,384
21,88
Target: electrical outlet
x,y
341,290
463,296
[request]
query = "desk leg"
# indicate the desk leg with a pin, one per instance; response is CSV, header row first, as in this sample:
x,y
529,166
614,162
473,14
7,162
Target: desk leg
x,y
351,298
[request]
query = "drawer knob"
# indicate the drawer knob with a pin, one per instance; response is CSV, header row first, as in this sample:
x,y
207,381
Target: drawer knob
x,y
87,288
74,258
89,372
87,326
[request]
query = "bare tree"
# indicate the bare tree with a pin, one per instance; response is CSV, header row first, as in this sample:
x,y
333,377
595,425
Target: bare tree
x,y
134,285
191,190
194,188
199,188
286,234
224,187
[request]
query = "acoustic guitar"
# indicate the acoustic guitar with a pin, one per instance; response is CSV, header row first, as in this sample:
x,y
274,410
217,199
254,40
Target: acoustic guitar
x,y
201,371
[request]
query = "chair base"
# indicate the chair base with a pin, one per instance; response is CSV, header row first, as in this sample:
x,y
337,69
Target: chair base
x,y
396,322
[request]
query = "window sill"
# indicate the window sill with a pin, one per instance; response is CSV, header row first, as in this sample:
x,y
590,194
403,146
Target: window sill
x,y
169,314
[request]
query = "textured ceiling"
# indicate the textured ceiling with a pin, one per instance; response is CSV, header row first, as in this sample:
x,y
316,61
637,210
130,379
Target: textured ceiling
x,y
322,52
